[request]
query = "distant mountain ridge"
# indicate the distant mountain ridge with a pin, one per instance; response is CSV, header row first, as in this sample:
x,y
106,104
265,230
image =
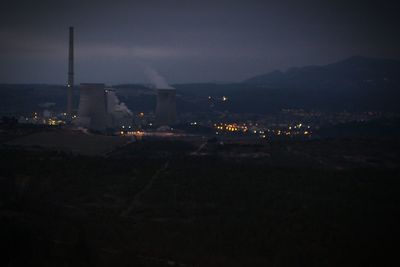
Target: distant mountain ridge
x,y
356,71
357,83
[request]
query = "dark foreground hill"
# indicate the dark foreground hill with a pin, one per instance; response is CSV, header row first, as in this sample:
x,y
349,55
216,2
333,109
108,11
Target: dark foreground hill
x,y
319,203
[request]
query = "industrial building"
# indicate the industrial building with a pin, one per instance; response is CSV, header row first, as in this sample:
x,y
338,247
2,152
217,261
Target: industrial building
x,y
166,107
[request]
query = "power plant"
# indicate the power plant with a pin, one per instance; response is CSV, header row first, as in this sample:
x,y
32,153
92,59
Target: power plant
x,y
70,84
100,108
166,107
92,112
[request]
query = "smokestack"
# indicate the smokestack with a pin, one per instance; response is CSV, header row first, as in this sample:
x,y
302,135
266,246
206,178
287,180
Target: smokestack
x,y
70,84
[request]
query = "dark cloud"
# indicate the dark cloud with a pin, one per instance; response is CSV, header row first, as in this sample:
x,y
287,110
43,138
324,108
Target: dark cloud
x,y
187,40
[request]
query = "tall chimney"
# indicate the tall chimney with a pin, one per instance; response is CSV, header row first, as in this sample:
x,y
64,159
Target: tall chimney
x,y
70,84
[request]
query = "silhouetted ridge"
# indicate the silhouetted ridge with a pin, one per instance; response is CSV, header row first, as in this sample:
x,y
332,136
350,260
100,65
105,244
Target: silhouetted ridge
x,y
348,73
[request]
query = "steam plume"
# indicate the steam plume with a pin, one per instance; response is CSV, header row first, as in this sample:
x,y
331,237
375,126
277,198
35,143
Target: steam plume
x,y
115,106
156,79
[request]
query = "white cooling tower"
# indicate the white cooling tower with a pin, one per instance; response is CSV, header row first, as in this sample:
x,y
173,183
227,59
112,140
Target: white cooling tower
x,y
166,107
92,106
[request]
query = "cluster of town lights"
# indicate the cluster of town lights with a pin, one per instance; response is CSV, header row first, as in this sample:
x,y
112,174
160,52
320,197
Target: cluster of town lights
x,y
55,122
231,127
131,133
223,98
296,130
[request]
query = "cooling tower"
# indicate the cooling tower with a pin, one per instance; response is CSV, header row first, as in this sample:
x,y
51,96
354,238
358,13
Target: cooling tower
x,y
92,106
166,107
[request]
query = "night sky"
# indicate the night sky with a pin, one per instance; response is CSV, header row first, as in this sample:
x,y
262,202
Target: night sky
x,y
187,41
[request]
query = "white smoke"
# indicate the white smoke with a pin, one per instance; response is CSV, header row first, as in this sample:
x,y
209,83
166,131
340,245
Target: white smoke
x,y
123,108
115,106
156,79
